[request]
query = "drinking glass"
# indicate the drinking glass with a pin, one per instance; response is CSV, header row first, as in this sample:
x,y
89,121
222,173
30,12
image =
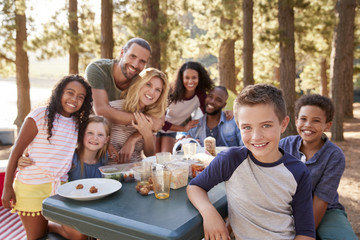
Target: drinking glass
x,y
189,150
161,178
163,157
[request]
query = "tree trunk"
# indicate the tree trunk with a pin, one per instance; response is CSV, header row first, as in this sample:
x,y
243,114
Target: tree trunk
x,y
151,17
287,59
348,7
165,35
22,67
248,42
276,74
341,57
227,64
323,76
107,39
74,43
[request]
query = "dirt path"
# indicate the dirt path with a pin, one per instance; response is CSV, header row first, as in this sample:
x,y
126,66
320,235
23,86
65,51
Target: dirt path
x,y
349,189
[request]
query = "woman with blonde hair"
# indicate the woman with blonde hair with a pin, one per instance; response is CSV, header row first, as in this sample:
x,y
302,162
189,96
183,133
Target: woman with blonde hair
x,y
146,98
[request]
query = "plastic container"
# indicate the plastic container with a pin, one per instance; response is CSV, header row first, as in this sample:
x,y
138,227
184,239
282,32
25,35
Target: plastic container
x,y
112,172
179,174
119,172
142,173
195,169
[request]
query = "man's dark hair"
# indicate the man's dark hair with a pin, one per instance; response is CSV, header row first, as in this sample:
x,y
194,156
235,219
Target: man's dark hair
x,y
222,88
142,42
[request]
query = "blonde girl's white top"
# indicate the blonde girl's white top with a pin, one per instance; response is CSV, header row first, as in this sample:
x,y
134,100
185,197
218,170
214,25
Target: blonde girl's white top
x,y
52,160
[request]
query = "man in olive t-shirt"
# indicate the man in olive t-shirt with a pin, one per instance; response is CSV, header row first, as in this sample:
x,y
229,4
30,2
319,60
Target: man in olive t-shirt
x,y
108,78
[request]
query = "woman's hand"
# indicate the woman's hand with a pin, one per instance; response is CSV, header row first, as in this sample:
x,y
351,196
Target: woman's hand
x,y
143,124
113,154
191,124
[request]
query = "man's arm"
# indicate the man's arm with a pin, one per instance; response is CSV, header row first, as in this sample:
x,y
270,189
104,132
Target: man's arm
x,y
102,107
214,225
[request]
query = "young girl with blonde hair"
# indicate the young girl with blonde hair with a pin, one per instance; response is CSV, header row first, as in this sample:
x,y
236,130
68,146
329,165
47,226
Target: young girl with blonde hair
x,y
90,154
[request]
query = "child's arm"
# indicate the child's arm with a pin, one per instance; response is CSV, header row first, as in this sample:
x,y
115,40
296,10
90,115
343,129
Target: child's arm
x,y
319,207
27,134
191,124
302,237
214,225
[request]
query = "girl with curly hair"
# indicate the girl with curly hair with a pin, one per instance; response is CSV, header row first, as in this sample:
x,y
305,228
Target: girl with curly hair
x,y
145,98
49,134
188,93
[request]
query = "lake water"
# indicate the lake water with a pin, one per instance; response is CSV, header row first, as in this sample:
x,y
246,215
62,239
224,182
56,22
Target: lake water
x,y
40,91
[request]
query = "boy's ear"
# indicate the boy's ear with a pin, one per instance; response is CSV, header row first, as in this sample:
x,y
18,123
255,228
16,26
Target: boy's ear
x,y
284,124
328,126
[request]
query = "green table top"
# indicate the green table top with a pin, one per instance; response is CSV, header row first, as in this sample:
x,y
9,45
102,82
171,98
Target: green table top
x,y
126,214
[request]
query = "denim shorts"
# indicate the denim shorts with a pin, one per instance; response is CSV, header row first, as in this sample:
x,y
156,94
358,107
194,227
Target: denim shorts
x,y
171,134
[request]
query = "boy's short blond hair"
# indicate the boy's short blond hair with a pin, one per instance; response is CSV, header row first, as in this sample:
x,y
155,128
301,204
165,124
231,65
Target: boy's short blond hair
x,y
261,94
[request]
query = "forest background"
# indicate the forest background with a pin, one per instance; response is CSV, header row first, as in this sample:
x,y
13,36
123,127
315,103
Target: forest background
x,y
301,46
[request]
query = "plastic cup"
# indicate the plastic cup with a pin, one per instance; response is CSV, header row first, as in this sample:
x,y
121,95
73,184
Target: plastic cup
x,y
161,178
142,174
189,149
163,157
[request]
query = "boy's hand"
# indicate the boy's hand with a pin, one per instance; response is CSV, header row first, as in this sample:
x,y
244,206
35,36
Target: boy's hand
x,y
214,226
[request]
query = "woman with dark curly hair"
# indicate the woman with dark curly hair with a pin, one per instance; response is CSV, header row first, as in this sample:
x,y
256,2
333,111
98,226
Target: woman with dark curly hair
x,y
49,134
187,94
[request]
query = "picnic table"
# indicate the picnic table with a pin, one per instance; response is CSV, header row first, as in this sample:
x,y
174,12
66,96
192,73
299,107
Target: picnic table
x,y
126,214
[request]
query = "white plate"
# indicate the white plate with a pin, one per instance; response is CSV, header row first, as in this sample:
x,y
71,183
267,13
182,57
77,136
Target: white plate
x,y
105,187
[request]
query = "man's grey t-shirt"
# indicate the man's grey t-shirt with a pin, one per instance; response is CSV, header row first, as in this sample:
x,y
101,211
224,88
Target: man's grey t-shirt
x,y
100,76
